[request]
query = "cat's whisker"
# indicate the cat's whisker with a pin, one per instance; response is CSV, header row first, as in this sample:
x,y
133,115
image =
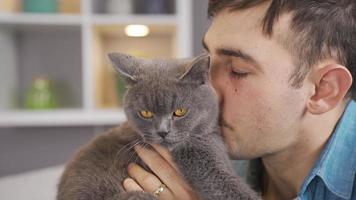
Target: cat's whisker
x,y
133,143
137,158
146,146
137,143
149,137
132,154
134,157
200,137
124,149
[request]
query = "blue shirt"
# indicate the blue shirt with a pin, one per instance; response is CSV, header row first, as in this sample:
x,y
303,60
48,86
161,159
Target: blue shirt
x,y
333,175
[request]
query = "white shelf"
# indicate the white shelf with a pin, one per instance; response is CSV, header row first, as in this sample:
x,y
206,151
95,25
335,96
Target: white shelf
x,y
103,19
77,19
55,118
40,19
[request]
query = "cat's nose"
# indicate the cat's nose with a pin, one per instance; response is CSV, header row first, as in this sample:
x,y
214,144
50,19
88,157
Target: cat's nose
x,y
162,134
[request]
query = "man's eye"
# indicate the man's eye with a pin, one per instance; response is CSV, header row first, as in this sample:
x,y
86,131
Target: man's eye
x,y
238,75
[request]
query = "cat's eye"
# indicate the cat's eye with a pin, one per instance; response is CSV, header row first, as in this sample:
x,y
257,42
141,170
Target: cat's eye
x,y
180,112
146,114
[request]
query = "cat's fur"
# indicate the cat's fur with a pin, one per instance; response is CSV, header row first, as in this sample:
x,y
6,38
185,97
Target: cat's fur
x,y
159,86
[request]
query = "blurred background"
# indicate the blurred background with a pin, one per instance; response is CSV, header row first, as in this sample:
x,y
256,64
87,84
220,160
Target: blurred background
x,y
57,88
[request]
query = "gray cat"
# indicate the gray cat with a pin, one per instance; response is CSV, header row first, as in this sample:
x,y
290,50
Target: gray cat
x,y
168,102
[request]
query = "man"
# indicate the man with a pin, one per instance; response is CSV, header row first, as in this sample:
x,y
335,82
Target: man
x,y
283,70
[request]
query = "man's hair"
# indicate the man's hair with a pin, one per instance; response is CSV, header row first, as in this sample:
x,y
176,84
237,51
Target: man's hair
x,y
319,29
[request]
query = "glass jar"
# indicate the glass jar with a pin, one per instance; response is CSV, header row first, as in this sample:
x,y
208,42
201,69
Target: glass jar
x,y
41,95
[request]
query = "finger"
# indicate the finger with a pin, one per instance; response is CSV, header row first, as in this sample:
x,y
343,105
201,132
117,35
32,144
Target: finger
x,y
149,182
164,171
166,155
131,185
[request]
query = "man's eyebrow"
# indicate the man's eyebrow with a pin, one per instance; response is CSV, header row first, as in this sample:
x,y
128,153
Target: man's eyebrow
x,y
234,53
239,54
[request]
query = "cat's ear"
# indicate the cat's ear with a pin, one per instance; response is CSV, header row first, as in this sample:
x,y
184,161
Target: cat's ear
x,y
126,65
198,71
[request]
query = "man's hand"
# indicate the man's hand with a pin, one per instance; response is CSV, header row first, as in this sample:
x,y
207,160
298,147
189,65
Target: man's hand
x,y
165,172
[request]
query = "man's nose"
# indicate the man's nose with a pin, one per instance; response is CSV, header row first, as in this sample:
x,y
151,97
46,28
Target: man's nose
x,y
215,83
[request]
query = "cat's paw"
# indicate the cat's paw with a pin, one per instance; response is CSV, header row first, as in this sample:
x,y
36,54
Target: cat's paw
x,y
136,196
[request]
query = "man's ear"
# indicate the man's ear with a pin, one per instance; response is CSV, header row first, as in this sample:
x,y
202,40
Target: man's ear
x,y
332,82
198,71
126,65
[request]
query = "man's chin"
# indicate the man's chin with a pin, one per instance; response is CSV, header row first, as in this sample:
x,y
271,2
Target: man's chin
x,y
238,154
234,149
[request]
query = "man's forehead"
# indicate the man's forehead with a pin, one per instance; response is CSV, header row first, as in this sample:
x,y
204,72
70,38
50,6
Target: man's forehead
x,y
242,31
244,20
230,29
241,27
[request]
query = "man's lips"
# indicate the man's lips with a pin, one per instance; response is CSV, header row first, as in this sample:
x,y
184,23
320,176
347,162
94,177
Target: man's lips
x,y
224,123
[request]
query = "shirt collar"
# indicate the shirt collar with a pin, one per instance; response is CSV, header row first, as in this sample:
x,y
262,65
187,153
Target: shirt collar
x,y
337,164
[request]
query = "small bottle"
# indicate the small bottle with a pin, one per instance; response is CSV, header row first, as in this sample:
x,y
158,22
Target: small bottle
x,y
153,6
9,6
40,6
69,6
41,95
123,7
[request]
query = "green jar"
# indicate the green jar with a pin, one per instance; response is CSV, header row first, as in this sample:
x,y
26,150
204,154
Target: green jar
x,y
40,6
41,96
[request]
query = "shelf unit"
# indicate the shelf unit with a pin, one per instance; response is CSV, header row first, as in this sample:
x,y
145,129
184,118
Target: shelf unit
x,y
63,117
73,51
16,19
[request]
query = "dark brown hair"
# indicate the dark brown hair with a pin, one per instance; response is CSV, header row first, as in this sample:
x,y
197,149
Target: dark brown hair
x,y
319,29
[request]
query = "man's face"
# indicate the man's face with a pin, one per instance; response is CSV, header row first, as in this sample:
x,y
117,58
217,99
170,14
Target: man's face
x,y
261,112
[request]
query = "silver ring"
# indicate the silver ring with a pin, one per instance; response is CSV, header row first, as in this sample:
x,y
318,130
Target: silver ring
x,y
159,190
